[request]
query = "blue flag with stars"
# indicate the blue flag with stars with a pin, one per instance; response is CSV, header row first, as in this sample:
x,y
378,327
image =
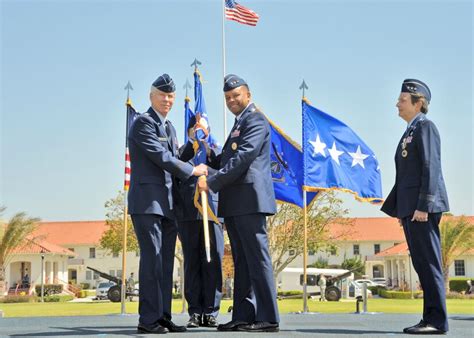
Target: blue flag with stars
x,y
286,160
202,130
336,158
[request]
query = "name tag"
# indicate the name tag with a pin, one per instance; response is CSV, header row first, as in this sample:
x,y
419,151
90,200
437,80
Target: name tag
x,y
162,139
235,133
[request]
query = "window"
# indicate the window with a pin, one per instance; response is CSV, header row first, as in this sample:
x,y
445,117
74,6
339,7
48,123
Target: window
x,y
119,273
333,251
376,248
459,269
71,249
91,252
112,273
356,249
88,275
311,252
96,276
115,254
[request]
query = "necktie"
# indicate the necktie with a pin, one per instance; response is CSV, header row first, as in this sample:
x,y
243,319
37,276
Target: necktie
x,y
168,129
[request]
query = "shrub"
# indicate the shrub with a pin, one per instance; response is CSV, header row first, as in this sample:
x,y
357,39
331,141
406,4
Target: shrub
x,y
397,294
58,298
458,284
18,299
457,295
85,286
49,289
81,294
290,293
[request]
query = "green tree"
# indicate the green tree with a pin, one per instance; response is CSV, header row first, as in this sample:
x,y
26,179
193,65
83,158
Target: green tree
x,y
13,234
112,238
457,237
321,263
285,228
355,265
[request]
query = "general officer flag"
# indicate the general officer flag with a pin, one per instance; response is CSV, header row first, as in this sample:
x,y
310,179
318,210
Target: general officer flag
x,y
287,168
335,157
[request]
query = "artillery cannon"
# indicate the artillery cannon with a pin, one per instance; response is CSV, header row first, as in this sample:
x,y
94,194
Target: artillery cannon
x,y
115,292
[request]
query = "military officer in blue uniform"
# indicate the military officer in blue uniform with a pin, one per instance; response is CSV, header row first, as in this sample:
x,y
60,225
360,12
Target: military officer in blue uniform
x,y
202,279
418,200
246,197
153,149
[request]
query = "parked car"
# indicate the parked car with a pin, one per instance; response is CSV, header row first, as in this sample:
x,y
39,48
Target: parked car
x,y
355,290
102,289
380,281
361,282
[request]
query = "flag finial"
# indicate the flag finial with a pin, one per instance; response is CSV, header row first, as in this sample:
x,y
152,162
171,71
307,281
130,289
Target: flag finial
x,y
128,87
196,63
303,86
187,86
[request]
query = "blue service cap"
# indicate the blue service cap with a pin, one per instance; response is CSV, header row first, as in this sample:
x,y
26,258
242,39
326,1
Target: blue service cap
x,y
414,86
164,83
232,81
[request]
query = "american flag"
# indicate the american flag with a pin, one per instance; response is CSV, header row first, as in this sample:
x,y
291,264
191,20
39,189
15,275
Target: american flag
x,y
239,13
131,116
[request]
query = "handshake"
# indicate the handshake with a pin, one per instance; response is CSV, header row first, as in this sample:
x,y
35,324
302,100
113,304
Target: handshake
x,y
201,171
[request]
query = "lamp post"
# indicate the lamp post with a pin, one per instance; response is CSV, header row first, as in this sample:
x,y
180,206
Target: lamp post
x,y
42,276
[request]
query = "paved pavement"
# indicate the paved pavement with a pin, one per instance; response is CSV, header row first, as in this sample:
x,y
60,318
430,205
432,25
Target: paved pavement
x,y
292,325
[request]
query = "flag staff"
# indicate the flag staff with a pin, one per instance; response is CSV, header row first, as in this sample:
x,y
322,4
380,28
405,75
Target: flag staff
x,y
223,69
123,288
303,86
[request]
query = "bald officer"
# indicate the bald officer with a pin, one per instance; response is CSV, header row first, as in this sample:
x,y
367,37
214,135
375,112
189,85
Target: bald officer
x,y
418,200
153,150
246,197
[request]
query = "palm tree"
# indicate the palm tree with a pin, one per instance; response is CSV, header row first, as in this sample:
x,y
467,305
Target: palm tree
x,y
12,235
457,237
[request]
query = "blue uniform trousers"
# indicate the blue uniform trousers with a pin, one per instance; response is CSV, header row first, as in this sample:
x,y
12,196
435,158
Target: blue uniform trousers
x,y
254,286
157,239
425,248
202,280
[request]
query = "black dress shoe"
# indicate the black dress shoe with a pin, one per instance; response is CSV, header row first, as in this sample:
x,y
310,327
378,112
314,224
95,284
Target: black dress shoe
x,y
194,321
231,326
209,321
260,327
425,329
152,329
421,323
172,327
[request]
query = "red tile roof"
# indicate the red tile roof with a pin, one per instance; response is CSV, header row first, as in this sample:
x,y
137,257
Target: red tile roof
x,y
369,229
362,229
72,233
35,246
397,250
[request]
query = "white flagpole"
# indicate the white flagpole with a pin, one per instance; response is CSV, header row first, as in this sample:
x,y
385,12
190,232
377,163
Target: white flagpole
x,y
223,69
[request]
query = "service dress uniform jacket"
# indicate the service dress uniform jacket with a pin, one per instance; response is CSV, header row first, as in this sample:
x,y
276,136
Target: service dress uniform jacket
x,y
150,198
419,185
246,197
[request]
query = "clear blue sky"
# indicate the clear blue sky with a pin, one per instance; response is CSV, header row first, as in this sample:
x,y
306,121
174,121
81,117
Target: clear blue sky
x,y
64,65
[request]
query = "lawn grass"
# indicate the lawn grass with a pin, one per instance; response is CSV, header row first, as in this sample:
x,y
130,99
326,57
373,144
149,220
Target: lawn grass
x,y
455,306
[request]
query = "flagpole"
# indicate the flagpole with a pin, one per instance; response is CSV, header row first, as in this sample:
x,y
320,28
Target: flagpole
x,y
303,86
223,68
128,87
